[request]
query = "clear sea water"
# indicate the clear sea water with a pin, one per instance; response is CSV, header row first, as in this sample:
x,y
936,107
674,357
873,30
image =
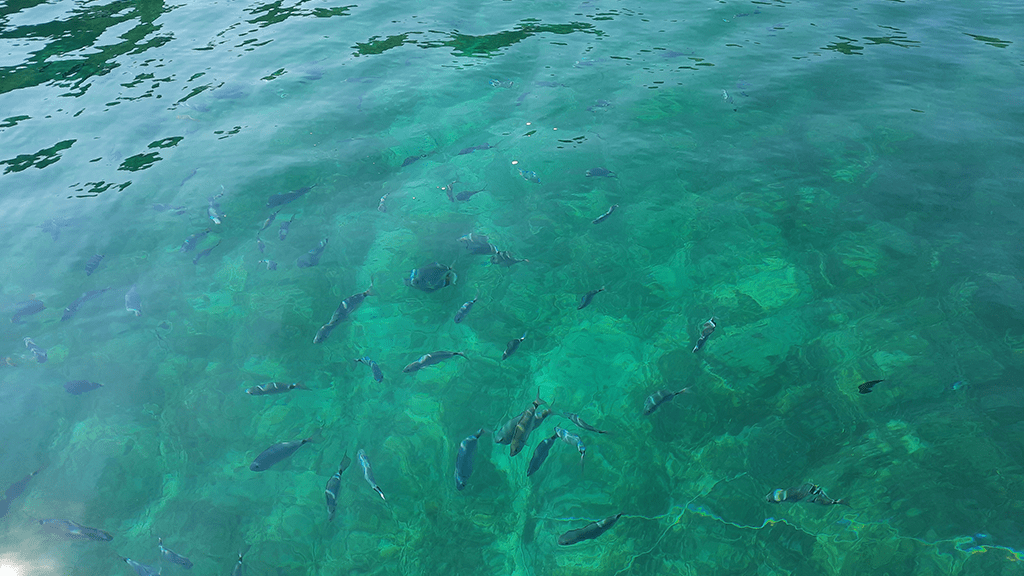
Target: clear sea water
x,y
837,184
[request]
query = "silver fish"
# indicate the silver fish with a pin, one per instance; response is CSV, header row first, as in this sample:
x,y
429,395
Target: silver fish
x,y
464,459
378,374
342,313
74,531
512,346
274,388
331,491
478,244
540,454
605,216
588,532
587,298
368,472
658,398
575,419
312,258
431,359
141,569
239,569
807,492
172,556
277,453
132,301
706,330
462,312
572,440
382,207
524,427
266,223
503,258
39,353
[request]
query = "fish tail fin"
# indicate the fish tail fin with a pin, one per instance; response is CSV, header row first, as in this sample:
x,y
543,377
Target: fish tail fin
x,y
302,386
315,436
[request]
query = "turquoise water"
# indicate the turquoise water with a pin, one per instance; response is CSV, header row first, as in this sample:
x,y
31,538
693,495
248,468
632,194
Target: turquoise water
x,y
839,186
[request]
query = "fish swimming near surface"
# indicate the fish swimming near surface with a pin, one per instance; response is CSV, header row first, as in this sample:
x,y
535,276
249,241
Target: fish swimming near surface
x,y
588,532
503,435
706,330
382,207
448,189
260,245
78,387
524,426
74,531
806,492
410,159
239,569
587,298
288,197
368,473
658,398
431,277
467,194
141,569
192,241
529,175
464,459
13,491
572,440
72,308
503,258
484,146
605,216
600,172
266,223
478,244
866,387
277,453
274,388
172,556
331,491
39,353
91,265
463,311
430,359
575,419
282,232
312,258
205,253
512,346
540,454
271,265
344,310
132,301
27,308
378,374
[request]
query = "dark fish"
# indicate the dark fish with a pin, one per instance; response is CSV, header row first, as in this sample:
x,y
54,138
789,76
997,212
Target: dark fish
x,y
91,265
529,175
271,265
13,491
172,556
342,312
503,435
462,312
525,425
382,207
331,491
572,440
540,454
464,459
866,387
78,387
604,216
575,419
588,297
277,453
505,259
467,194
312,258
323,332
588,532
205,253
270,220
74,531
72,308
430,359
378,374
658,398
474,148
512,346
600,172
39,353
282,199
282,232
192,241
368,472
478,244
239,569
431,277
189,177
807,492
411,159
706,330
132,301
274,388
141,569
27,308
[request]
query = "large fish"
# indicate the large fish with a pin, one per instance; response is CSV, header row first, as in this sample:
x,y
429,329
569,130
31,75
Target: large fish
x,y
331,491
504,434
172,556
431,277
540,454
368,472
274,388
78,387
588,532
478,244
73,530
27,308
652,402
282,199
13,491
525,425
277,453
430,359
312,258
132,301
342,313
464,459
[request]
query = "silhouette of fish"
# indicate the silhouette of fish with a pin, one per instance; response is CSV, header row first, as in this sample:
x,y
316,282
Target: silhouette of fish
x,y
478,244
431,277
866,387
78,387
600,172
91,265
312,258
282,199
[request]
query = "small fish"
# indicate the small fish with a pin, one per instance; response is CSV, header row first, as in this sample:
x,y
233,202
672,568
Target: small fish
x,y
192,241
866,387
588,532
13,491
282,199
274,388
239,569
270,220
78,387
189,177
575,419
205,253
464,459
448,191
600,172
540,454
572,440
463,311
27,308
91,265
172,556
431,277
588,297
658,398
74,531
72,308
410,159
431,359
605,216
478,244
503,258
141,569
382,207
484,146
378,374
512,346
271,265
959,384
529,175
331,491
39,353
282,232
178,210
312,258
525,425
213,213
132,301
706,330
53,226
277,453
810,493
260,245
368,472
467,194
